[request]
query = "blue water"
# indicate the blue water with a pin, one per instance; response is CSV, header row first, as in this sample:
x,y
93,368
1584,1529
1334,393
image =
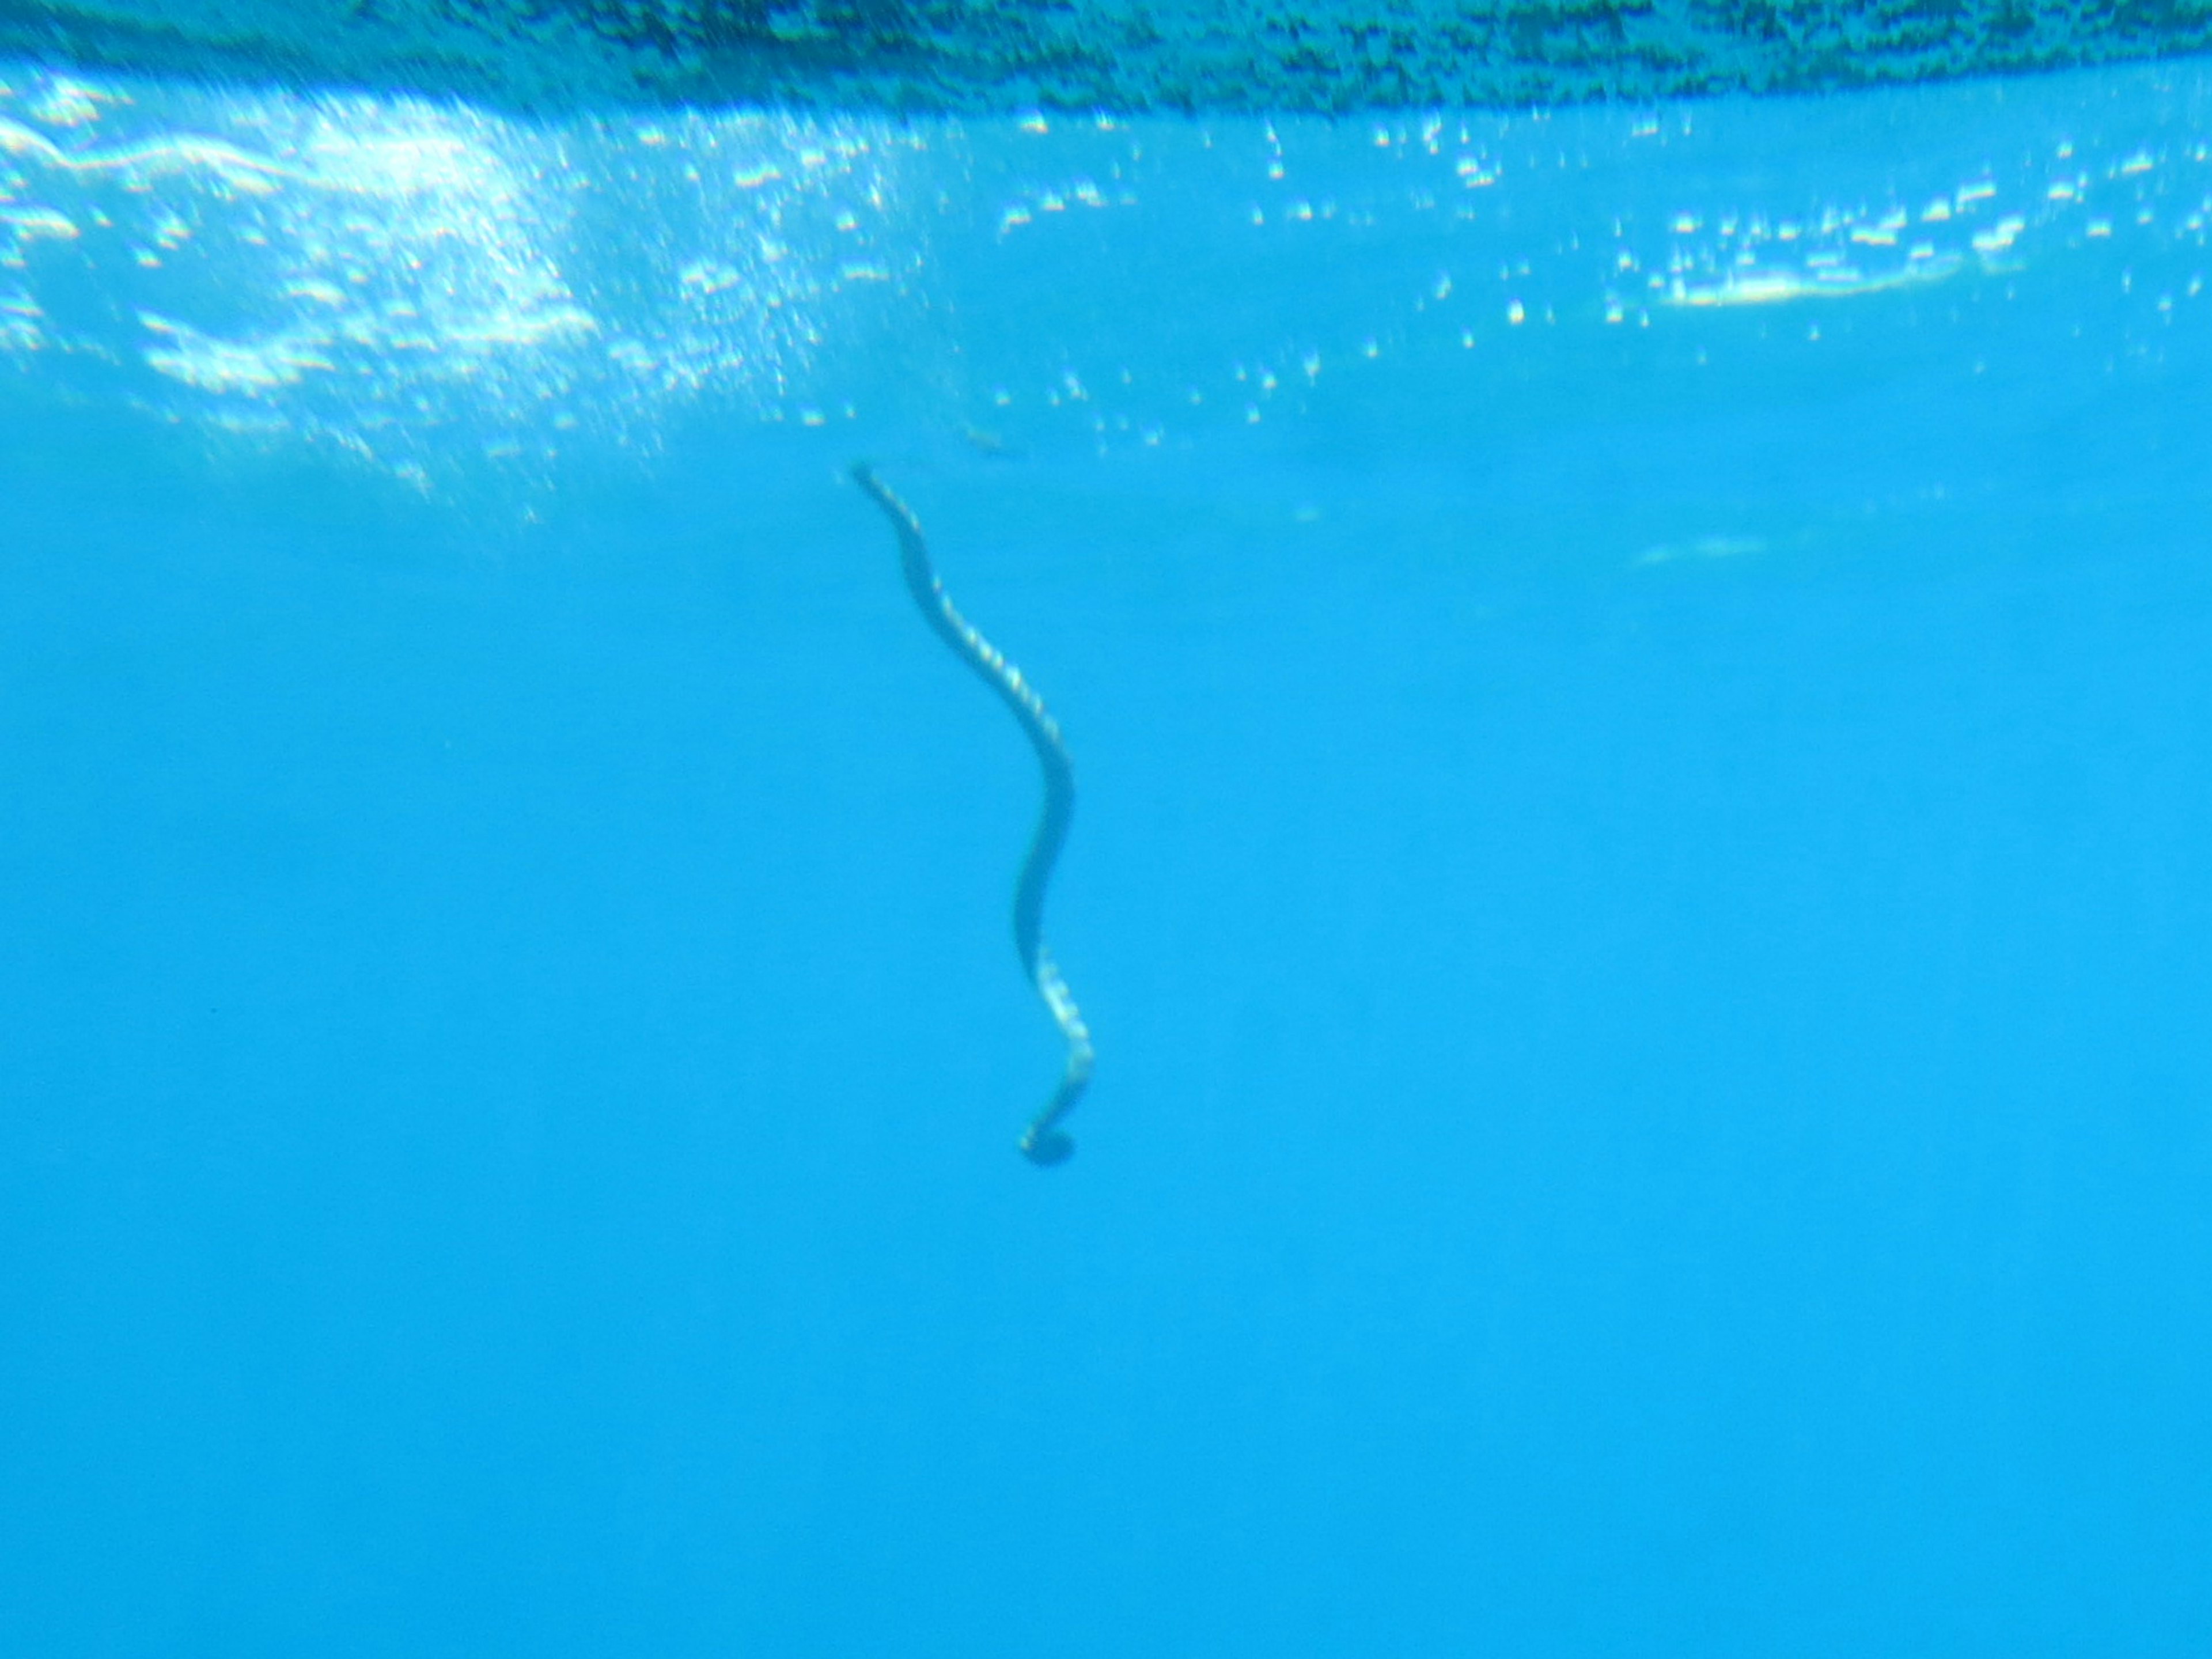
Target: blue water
x,y
1639,692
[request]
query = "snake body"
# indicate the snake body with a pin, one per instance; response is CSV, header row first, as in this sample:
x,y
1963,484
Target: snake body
x,y
1043,1142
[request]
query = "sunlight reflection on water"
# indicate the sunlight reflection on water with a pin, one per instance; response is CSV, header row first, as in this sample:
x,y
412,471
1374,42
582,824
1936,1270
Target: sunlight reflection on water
x,y
425,287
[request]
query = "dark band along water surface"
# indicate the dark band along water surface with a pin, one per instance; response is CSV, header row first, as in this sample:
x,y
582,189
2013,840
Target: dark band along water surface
x,y
1043,1142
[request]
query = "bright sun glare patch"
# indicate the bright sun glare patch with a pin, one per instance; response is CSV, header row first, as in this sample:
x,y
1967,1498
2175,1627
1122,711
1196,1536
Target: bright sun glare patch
x,y
380,275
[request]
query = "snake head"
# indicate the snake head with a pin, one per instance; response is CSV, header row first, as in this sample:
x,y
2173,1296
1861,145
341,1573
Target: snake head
x,y
1049,1147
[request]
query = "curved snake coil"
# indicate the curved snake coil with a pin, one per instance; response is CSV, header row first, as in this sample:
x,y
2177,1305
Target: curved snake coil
x,y
1043,1142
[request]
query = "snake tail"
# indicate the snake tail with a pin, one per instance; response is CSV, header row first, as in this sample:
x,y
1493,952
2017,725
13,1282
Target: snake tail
x,y
1043,1142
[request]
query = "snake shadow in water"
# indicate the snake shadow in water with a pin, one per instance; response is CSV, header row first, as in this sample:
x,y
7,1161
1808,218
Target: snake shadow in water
x,y
1044,1143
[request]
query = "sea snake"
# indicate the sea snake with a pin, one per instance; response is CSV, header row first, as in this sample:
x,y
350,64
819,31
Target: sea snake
x,y
1043,1142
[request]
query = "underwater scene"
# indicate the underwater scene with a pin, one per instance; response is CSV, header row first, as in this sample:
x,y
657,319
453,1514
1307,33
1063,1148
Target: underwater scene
x,y
1555,765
